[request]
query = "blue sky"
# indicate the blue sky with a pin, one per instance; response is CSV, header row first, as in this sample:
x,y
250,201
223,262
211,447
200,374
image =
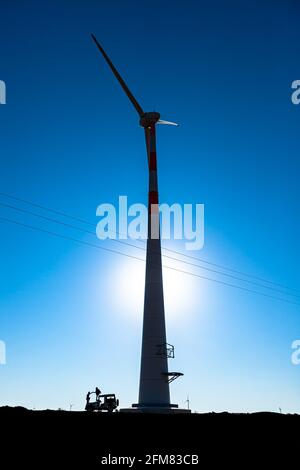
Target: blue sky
x,y
71,315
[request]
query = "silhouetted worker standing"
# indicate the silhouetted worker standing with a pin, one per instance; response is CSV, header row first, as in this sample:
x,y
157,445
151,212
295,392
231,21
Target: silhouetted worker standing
x,y
88,397
98,392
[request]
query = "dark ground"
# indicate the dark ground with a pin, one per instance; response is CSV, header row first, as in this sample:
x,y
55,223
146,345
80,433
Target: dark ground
x,y
62,439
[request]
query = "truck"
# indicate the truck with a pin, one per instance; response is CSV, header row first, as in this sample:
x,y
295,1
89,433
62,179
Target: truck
x,y
106,402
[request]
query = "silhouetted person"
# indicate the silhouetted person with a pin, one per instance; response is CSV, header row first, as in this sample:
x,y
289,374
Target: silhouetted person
x,y
88,397
98,392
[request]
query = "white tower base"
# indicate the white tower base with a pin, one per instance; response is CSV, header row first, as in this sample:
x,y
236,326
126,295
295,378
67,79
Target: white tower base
x,y
155,410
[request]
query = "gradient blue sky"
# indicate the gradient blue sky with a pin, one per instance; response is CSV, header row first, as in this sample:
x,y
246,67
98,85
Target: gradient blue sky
x,y
70,140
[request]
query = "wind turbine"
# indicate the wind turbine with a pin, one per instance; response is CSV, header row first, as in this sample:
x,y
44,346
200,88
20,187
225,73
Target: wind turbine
x,y
154,391
188,402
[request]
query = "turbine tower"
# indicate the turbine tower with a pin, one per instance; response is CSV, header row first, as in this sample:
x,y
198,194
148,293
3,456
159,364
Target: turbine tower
x,y
154,392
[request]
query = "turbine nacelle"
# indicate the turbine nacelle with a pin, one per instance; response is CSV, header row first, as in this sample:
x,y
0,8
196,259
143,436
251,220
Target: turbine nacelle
x,y
148,119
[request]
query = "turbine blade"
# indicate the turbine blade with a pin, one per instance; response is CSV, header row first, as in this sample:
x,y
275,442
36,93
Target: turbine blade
x,y
119,78
167,123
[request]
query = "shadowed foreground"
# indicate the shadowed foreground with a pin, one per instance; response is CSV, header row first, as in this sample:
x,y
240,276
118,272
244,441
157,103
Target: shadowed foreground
x,y
61,437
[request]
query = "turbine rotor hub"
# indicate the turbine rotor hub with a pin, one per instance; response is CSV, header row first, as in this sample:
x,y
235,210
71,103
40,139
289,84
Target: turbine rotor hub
x,y
149,119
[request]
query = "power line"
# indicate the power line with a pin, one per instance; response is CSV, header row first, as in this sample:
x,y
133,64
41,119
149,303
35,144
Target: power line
x,y
141,248
75,218
49,232
54,211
